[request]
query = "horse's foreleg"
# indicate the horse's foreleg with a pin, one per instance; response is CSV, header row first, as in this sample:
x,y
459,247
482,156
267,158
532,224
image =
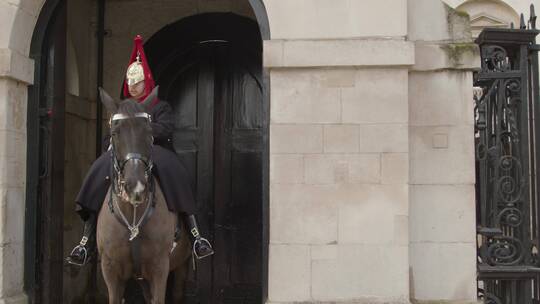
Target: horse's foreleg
x,y
158,280
115,285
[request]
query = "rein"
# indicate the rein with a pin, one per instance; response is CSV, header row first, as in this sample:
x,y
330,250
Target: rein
x,y
134,227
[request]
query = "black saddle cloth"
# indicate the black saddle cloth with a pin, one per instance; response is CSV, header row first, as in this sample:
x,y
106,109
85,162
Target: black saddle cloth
x,y
173,178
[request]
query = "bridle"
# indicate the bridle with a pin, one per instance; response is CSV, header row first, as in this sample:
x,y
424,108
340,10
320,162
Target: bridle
x,y
117,182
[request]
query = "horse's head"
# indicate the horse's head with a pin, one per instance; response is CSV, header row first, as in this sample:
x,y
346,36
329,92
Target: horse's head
x,y
131,140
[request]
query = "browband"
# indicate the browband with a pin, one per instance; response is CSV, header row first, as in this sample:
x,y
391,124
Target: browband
x,y
137,115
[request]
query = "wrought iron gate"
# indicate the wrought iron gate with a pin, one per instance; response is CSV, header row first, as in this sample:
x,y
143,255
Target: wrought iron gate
x,y
507,130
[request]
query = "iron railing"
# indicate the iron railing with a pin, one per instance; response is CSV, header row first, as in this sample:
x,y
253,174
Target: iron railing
x,y
507,134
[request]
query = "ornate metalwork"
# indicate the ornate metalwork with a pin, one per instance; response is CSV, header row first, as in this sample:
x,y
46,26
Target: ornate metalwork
x,y
507,134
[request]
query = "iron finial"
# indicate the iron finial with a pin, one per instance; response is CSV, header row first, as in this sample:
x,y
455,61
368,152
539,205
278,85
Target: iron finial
x,y
533,18
522,24
512,25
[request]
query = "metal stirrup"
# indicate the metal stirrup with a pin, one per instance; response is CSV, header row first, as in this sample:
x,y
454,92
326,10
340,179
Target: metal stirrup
x,y
80,247
200,241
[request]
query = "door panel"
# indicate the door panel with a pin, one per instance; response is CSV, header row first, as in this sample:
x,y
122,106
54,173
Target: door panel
x,y
211,76
219,113
237,200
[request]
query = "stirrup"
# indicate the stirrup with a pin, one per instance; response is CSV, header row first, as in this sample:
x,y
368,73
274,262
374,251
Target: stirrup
x,y
200,241
79,248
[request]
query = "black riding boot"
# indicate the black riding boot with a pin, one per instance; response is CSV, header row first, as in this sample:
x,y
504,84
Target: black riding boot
x,y
82,253
201,246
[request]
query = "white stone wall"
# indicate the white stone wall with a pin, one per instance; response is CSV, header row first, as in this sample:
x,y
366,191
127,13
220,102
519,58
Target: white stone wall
x,y
441,142
16,73
339,197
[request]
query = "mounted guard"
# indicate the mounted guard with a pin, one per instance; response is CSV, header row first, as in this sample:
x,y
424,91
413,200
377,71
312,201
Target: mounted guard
x,y
166,167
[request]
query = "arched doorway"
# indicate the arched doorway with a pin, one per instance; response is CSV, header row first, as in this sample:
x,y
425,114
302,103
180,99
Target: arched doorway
x,y
212,77
232,66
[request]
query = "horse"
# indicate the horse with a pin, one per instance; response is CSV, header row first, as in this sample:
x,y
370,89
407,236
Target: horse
x,y
135,229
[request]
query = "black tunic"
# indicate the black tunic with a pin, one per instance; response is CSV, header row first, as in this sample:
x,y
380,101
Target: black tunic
x,y
169,170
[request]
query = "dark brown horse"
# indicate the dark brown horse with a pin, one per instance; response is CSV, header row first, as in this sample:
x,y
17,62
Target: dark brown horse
x,y
135,229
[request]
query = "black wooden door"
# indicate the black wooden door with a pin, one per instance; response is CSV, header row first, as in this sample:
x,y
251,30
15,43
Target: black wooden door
x,y
217,100
216,92
209,67
50,196
237,203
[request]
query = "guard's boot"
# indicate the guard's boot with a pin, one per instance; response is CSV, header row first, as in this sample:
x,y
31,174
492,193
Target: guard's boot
x,y
201,246
82,253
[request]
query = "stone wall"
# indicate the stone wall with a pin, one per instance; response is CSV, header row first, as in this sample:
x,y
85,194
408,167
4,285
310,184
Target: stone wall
x,y
339,199
372,163
16,73
441,134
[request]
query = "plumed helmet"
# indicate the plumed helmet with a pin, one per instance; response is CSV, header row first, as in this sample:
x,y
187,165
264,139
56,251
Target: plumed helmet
x,y
138,70
135,72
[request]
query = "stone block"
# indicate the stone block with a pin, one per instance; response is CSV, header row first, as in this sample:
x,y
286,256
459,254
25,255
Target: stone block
x,y
20,30
342,168
441,98
380,96
362,274
395,168
296,98
384,138
343,53
336,77
426,161
442,271
11,263
443,213
11,144
286,169
16,66
12,171
8,12
324,252
21,298
367,213
428,21
303,214
296,138
30,6
446,56
341,138
13,101
11,215
440,141
401,230
321,19
273,53
289,273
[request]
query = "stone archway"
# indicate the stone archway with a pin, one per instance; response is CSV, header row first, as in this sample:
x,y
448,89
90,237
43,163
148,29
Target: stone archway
x,y
24,25
16,74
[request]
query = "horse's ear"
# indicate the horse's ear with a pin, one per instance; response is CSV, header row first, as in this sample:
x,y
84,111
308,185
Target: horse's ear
x,y
148,100
108,101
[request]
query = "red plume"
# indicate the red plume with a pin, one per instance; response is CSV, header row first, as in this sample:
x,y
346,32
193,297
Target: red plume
x,y
148,78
